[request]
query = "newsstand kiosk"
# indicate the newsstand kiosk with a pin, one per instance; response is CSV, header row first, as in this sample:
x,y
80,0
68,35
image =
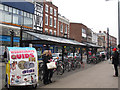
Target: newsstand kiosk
x,y
21,67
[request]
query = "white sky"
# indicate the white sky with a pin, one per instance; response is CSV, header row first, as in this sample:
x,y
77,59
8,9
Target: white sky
x,y
95,14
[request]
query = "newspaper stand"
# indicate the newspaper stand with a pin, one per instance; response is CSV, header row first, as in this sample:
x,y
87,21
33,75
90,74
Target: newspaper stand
x,y
21,67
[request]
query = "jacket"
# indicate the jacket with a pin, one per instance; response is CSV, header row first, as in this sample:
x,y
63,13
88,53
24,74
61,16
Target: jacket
x,y
115,58
45,61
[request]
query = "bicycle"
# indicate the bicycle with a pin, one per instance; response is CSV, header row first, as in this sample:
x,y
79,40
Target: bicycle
x,y
78,64
41,71
67,65
60,67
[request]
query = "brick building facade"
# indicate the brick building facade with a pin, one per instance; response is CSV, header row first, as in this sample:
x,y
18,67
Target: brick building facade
x,y
112,39
78,32
50,18
63,26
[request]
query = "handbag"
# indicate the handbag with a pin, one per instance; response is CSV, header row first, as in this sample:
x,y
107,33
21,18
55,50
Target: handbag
x,y
51,65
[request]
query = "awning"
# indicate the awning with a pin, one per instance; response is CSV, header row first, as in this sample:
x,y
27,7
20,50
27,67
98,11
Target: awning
x,y
47,39
93,45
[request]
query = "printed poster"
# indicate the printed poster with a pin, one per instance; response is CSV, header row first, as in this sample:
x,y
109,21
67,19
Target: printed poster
x,y
23,65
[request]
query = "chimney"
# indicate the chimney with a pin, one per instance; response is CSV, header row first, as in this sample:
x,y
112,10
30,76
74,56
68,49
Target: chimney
x,y
99,31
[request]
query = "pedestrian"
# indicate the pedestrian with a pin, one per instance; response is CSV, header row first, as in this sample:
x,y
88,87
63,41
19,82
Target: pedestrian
x,y
5,56
50,71
45,61
115,61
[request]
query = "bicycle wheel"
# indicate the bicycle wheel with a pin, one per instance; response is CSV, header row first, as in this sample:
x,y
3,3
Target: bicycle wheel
x,y
41,71
78,65
60,70
41,74
73,66
88,61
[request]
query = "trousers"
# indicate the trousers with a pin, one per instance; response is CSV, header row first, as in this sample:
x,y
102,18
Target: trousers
x,y
116,69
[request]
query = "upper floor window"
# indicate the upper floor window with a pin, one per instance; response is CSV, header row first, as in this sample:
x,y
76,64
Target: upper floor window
x,y
46,19
83,31
21,13
55,33
54,22
51,10
14,11
10,9
51,21
46,8
1,6
50,32
25,14
6,8
46,30
28,15
55,12
66,29
61,28
31,16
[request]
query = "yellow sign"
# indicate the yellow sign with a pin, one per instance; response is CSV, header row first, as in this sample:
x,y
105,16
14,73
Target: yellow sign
x,y
64,46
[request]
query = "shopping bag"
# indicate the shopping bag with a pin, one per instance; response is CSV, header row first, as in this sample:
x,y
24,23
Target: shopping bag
x,y
51,65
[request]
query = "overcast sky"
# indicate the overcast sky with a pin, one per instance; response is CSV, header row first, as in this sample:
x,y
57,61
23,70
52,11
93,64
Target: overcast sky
x,y
95,14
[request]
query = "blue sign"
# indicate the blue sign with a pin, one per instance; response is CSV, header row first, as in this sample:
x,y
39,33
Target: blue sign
x,y
8,38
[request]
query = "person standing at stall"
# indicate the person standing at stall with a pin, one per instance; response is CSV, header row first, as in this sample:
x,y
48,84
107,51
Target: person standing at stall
x,y
50,71
5,56
45,61
115,61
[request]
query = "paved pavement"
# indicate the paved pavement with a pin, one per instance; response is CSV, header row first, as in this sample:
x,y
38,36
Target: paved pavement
x,y
93,76
98,76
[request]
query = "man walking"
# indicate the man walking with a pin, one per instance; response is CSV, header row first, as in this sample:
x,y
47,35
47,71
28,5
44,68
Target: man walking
x,y
115,61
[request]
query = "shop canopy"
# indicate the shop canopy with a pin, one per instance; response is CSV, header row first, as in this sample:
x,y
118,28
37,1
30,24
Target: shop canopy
x,y
93,45
54,40
51,40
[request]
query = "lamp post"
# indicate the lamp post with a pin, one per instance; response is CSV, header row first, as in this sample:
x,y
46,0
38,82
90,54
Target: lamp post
x,y
118,21
107,43
12,35
21,31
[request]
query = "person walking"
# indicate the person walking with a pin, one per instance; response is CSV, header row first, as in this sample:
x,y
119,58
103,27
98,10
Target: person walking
x,y
45,61
115,61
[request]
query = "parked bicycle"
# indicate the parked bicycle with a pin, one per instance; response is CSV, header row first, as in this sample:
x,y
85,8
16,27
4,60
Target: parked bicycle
x,y
41,70
78,64
67,65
